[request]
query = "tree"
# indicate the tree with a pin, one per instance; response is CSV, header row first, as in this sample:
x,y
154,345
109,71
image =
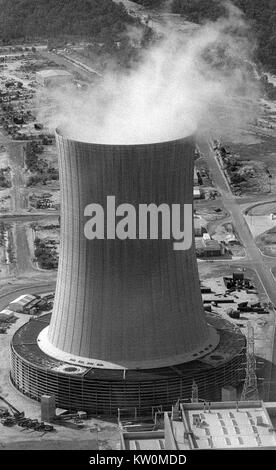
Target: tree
x,y
261,15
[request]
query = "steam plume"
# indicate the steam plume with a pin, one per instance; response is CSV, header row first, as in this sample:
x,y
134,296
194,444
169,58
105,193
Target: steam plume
x,y
201,83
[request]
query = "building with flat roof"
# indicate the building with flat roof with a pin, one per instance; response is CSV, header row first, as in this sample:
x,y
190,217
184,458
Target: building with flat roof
x,y
143,440
196,193
208,247
232,425
221,425
6,315
199,225
53,77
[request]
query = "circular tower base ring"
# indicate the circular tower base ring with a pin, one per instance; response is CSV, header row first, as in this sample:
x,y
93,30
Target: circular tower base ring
x,y
102,391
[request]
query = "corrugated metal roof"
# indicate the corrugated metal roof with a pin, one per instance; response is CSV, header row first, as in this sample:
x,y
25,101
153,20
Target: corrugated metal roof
x,y
23,299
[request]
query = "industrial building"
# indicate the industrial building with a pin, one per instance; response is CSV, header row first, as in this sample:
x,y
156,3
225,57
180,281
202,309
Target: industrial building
x,y
7,315
226,425
128,327
142,439
208,247
211,426
54,77
18,305
199,226
197,193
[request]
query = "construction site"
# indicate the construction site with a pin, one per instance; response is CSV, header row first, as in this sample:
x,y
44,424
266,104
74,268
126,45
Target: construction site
x,y
129,345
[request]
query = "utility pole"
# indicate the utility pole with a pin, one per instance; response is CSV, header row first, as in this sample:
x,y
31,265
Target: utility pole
x,y
250,386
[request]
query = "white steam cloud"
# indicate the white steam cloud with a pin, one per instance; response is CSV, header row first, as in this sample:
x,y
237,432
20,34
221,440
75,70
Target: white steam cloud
x,y
202,82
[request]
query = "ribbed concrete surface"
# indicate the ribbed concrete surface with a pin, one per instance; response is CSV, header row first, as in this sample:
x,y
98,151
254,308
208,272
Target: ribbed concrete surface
x,y
135,303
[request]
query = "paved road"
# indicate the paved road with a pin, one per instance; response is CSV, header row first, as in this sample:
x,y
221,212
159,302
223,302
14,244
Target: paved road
x,y
232,206
30,217
16,155
19,203
79,64
255,259
23,255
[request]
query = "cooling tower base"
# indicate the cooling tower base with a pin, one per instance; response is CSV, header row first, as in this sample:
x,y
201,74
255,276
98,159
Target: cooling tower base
x,y
102,391
200,351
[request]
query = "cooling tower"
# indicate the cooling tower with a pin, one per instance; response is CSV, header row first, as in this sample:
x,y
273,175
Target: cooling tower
x,y
125,303
128,328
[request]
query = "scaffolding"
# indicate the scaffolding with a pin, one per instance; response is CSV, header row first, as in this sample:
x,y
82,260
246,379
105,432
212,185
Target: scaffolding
x,y
250,386
194,398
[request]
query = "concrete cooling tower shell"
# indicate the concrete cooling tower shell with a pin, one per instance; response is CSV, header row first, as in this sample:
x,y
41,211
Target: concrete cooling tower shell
x,y
128,330
125,303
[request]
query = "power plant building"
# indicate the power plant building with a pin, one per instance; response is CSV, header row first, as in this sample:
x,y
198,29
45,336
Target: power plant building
x,y
210,426
128,327
53,77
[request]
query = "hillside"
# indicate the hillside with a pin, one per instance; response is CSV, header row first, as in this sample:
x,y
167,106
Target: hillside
x,y
105,21
99,19
260,14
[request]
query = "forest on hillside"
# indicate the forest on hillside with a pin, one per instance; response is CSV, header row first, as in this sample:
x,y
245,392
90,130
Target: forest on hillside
x,y
98,19
261,15
105,21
